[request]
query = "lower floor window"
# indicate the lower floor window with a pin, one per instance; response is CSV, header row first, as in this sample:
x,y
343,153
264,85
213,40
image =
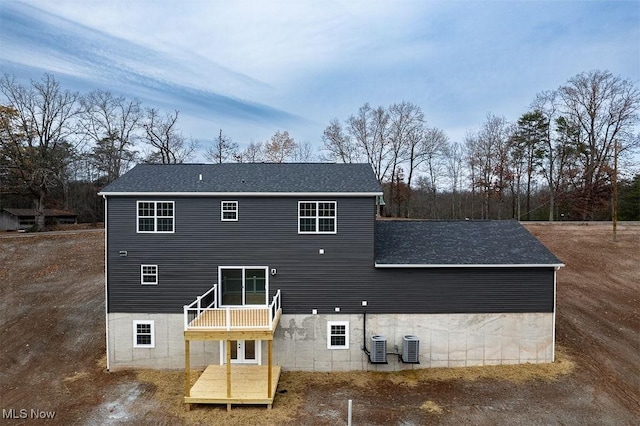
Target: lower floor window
x,y
143,334
337,334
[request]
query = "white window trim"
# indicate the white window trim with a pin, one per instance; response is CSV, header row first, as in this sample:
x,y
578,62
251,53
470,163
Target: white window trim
x,y
317,217
346,331
142,274
155,217
135,334
222,211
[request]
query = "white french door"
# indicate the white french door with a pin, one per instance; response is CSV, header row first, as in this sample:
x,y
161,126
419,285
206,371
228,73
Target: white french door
x,y
242,352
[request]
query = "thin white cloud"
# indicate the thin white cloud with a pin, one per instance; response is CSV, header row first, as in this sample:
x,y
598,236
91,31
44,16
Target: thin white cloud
x,y
319,60
41,41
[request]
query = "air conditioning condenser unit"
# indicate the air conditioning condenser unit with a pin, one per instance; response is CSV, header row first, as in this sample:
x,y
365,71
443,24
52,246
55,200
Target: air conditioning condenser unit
x,y
378,354
410,349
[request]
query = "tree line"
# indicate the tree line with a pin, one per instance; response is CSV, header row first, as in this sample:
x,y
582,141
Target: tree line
x,y
557,161
58,148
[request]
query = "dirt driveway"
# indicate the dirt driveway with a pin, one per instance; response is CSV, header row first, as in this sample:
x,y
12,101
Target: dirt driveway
x,y
52,352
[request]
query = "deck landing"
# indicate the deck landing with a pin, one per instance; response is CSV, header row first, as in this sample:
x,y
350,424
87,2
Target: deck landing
x,y
248,385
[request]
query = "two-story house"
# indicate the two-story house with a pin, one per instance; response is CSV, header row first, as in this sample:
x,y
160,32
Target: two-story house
x,y
275,266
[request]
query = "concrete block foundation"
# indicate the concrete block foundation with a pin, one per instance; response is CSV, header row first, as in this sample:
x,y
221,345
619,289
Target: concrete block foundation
x,y
300,341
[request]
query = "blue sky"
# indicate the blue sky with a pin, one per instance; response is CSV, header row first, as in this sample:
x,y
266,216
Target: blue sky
x,y
253,67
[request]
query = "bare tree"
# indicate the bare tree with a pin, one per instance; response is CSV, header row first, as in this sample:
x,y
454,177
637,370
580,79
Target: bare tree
x,y
473,160
405,120
167,142
605,108
37,132
303,153
280,148
253,153
432,152
405,133
369,130
488,155
557,152
454,160
395,141
339,145
223,149
113,125
425,145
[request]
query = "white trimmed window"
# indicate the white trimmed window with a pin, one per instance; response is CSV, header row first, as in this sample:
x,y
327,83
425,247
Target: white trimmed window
x,y
229,210
143,334
317,217
337,334
148,274
156,216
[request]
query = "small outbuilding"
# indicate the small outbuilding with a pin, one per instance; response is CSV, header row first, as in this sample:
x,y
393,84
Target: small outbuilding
x,y
17,219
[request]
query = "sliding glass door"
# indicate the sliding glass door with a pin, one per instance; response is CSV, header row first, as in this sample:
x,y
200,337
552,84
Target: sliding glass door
x,y
243,285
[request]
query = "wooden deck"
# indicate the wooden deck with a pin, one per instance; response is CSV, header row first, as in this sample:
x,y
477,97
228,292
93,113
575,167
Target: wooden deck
x,y
248,385
248,324
245,318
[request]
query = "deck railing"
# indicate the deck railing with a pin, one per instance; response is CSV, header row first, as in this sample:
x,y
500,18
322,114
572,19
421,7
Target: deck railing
x,y
205,313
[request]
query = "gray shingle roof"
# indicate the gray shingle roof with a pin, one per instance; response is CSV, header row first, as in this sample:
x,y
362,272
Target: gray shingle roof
x,y
420,242
247,177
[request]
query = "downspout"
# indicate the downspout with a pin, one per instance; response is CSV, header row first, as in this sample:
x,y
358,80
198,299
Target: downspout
x,y
364,333
106,294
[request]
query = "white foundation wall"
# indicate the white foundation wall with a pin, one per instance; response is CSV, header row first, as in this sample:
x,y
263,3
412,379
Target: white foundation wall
x,y
168,352
445,340
300,341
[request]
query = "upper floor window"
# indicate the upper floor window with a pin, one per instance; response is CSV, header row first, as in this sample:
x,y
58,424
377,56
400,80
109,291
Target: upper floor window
x,y
229,210
148,274
317,217
155,216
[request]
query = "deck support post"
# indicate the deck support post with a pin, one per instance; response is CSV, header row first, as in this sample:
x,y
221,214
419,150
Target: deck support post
x,y
187,369
228,346
269,372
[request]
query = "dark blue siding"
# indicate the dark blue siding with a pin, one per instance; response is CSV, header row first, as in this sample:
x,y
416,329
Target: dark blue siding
x,y
266,235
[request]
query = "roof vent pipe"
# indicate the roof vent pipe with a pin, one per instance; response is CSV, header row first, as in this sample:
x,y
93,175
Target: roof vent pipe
x,y
200,177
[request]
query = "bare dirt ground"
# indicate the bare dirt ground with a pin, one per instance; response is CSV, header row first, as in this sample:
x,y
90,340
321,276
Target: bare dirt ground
x,y
52,351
